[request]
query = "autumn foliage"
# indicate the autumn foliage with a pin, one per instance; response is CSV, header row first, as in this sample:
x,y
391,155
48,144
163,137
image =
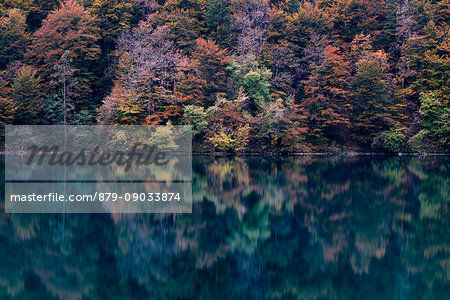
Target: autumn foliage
x,y
249,75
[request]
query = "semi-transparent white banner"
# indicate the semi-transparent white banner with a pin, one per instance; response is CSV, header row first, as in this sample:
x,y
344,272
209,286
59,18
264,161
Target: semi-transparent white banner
x,y
95,169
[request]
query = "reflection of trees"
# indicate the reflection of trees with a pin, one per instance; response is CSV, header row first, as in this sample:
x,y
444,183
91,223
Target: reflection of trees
x,y
48,258
429,261
282,228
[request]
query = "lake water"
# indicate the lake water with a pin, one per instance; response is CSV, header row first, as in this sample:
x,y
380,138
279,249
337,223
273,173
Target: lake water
x,y
261,228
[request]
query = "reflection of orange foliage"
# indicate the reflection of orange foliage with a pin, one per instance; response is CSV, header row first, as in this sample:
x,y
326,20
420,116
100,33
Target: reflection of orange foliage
x,y
229,171
331,252
331,191
435,250
206,259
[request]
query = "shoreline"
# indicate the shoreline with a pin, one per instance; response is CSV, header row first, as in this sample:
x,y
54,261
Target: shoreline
x,y
272,154
287,154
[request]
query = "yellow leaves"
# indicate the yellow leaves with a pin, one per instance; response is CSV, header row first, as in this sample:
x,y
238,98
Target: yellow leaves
x,y
233,141
222,141
7,110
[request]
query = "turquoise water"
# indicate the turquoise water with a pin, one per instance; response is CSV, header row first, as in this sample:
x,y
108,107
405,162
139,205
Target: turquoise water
x,y
261,228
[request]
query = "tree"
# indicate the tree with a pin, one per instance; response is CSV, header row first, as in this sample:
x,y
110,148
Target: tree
x,y
376,18
69,28
7,107
435,117
250,21
256,84
428,58
211,63
144,90
269,125
122,105
369,110
196,116
66,82
37,11
13,37
391,141
218,21
327,96
229,128
27,96
115,16
296,129
183,25
286,69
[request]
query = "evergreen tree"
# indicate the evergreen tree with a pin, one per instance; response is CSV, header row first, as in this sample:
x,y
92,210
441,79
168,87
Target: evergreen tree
x,y
218,21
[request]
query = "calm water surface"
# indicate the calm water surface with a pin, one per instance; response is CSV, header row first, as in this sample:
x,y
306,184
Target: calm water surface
x,y
261,228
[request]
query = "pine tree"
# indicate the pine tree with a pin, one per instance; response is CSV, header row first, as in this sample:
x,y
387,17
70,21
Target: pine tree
x,y
218,21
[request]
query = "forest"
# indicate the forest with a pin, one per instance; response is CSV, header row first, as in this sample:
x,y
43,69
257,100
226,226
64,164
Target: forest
x,y
249,75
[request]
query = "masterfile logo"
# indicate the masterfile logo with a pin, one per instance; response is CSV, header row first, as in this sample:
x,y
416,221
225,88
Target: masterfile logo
x,y
96,169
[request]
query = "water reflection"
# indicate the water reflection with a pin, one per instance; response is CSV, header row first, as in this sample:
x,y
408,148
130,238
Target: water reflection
x,y
261,228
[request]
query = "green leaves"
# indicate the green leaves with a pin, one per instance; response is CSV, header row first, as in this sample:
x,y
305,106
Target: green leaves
x,y
307,74
390,141
197,118
435,117
256,84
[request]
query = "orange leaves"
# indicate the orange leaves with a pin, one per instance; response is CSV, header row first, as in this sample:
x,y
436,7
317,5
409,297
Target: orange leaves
x,y
296,131
163,116
208,64
328,94
69,28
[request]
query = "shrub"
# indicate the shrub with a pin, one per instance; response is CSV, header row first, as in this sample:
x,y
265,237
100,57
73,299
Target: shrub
x,y
415,143
391,141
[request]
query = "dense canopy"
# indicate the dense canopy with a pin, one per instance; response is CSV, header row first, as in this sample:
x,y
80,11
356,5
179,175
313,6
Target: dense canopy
x,y
249,75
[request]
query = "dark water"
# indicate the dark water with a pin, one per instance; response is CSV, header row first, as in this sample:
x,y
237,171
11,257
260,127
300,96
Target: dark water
x,y
261,228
